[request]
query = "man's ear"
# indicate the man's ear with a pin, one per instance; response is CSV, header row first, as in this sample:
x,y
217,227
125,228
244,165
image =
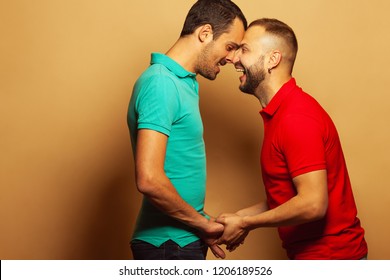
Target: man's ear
x,y
205,33
274,59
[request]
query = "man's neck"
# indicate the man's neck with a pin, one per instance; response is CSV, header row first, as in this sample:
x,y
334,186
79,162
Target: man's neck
x,y
184,54
267,90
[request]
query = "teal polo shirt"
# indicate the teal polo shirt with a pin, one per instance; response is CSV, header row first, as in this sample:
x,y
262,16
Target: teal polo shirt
x,y
166,99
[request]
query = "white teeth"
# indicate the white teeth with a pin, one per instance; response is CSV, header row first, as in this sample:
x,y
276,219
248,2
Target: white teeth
x,y
240,70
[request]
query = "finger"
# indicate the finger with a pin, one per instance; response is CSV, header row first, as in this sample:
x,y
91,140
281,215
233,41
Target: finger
x,y
213,230
220,241
235,244
232,247
219,227
217,251
220,219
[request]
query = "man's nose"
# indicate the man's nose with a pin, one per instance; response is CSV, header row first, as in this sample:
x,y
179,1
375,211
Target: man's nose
x,y
229,57
235,58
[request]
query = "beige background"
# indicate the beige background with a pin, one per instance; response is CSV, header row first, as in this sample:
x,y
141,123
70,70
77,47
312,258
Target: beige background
x,y
66,73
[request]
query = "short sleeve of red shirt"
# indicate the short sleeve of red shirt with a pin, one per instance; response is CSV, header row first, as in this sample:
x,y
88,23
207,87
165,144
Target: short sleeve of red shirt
x,y
301,141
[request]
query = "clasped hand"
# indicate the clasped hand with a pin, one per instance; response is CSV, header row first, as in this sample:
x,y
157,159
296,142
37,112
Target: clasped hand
x,y
232,235
234,232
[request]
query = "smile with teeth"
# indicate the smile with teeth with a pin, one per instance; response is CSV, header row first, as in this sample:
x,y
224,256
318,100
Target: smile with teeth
x,y
241,70
243,76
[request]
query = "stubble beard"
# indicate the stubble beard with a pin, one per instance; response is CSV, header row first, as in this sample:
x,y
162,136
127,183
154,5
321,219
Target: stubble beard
x,y
204,67
255,75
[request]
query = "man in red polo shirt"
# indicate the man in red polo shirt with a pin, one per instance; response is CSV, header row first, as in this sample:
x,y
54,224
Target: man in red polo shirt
x,y
309,194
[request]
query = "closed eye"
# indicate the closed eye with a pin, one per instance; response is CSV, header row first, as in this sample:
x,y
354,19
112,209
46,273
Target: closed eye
x,y
244,50
230,48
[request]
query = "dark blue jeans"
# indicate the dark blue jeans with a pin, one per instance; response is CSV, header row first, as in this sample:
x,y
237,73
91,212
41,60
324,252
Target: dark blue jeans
x,y
169,251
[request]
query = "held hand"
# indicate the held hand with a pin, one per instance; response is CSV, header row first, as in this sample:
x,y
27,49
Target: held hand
x,y
210,236
234,233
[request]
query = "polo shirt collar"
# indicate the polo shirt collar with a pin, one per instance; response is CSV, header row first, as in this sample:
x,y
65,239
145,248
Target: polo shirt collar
x,y
171,65
278,98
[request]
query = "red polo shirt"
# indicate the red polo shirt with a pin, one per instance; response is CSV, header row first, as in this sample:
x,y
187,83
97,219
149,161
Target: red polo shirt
x,y
300,137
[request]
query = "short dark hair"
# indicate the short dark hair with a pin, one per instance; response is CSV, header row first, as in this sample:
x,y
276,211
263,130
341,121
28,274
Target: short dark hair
x,y
281,30
220,14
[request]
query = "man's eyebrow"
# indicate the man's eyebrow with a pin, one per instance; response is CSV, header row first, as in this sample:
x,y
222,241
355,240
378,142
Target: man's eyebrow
x,y
235,45
243,45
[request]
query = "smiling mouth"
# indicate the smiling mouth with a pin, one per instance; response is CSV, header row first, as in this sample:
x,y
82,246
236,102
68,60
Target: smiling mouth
x,y
241,70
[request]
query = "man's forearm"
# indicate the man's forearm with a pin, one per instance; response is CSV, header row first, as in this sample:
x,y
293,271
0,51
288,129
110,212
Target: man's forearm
x,y
253,210
293,212
163,195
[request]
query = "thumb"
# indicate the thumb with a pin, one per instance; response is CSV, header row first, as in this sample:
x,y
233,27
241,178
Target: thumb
x,y
213,229
220,219
218,227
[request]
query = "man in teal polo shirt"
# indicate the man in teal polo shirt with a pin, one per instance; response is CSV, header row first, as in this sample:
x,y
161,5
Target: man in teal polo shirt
x,y
167,136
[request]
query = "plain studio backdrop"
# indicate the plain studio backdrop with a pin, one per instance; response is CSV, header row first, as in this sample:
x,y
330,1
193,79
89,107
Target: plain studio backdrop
x,y
66,74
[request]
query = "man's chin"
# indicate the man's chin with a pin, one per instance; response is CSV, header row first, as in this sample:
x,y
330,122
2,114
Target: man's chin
x,y
245,89
210,77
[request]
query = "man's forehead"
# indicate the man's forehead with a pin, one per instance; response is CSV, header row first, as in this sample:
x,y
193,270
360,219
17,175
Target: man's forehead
x,y
255,32
254,36
235,32
230,39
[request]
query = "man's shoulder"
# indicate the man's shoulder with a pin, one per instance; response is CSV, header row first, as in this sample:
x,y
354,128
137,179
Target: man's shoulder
x,y
157,71
156,75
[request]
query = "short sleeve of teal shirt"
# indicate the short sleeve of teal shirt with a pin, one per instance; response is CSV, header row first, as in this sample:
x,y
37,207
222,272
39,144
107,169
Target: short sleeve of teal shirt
x,y
158,106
